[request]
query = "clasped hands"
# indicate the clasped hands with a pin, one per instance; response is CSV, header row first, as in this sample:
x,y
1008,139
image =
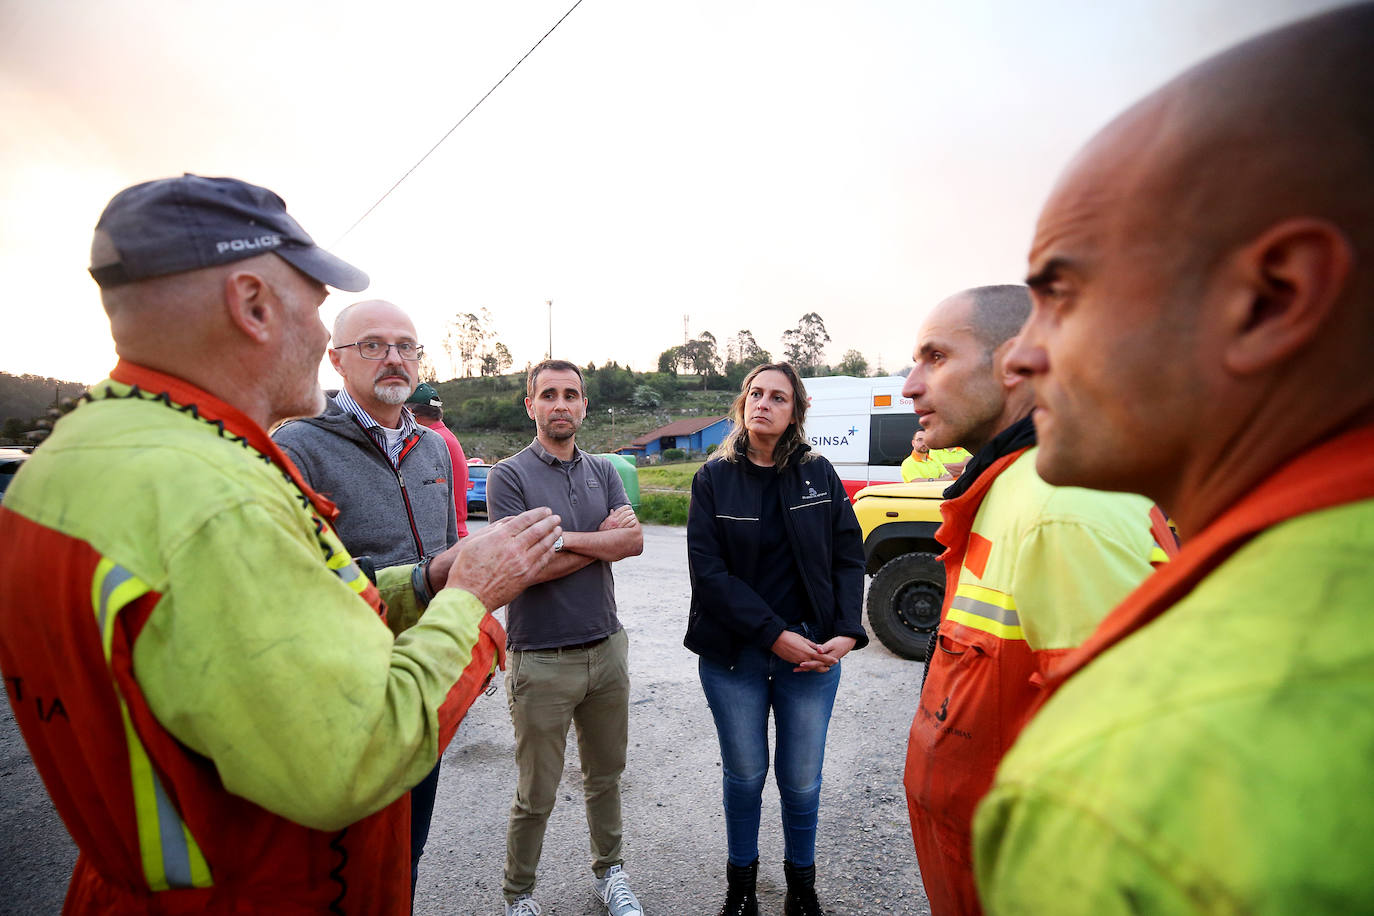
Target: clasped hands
x,y
810,656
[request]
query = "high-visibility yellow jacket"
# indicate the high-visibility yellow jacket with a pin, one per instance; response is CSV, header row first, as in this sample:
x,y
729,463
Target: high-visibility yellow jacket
x,y
200,671
950,455
1030,571
1211,748
928,468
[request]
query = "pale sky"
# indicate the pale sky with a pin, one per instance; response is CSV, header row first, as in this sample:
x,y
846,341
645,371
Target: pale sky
x,y
741,162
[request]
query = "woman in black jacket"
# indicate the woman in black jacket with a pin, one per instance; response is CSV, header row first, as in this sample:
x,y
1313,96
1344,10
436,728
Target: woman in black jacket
x,y
777,570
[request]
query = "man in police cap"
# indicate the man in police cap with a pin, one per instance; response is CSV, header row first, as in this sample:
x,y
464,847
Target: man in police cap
x,y
212,691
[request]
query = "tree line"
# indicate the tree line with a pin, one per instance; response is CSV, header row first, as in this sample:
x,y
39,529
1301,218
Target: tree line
x,y
802,346
495,400
26,399
473,349
491,397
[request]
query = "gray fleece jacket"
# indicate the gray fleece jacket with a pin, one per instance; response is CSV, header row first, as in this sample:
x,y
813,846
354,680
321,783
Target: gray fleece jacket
x,y
393,517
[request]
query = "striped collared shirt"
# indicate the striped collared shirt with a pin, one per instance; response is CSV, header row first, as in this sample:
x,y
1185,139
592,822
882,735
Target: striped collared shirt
x,y
374,429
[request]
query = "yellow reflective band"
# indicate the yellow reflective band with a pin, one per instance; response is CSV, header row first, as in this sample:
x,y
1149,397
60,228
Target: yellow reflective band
x,y
986,595
986,609
1157,555
112,588
986,624
345,568
171,857
349,572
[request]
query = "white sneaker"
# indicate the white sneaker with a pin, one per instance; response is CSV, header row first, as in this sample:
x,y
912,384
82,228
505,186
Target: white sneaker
x,y
523,906
614,891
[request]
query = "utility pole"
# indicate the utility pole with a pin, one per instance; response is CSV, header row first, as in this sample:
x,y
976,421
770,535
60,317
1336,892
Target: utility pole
x,y
549,303
685,319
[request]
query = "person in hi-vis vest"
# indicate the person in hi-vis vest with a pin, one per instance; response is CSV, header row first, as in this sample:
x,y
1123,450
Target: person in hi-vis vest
x,y
1030,570
921,464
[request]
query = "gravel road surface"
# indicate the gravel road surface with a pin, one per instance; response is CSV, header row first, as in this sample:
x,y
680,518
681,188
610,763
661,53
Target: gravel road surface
x,y
674,827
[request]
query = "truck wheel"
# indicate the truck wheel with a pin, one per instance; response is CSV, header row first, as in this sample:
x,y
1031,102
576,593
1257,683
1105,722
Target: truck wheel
x,y
904,603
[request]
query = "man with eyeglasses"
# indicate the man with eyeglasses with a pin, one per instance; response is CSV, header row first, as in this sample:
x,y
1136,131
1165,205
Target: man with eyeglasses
x,y
391,477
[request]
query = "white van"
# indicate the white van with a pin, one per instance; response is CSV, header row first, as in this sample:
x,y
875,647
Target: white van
x,y
863,425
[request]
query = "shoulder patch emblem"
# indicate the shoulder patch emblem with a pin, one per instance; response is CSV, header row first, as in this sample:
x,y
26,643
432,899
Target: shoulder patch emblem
x,y
976,556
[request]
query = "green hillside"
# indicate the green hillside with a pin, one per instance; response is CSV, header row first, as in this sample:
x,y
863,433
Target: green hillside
x,y
488,414
27,398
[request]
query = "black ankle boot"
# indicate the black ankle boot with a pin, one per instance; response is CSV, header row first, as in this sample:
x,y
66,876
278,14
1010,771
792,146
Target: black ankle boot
x,y
739,897
801,891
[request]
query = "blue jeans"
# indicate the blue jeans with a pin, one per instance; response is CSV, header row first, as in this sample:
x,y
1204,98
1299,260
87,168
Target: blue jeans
x,y
740,698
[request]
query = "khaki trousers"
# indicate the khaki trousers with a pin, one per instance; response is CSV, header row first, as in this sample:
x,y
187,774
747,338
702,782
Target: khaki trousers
x,y
547,690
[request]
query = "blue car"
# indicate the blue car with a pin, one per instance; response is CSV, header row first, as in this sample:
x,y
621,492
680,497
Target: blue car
x,y
477,488
10,461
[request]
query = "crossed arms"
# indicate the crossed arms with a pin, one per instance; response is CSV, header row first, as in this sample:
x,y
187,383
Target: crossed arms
x,y
617,537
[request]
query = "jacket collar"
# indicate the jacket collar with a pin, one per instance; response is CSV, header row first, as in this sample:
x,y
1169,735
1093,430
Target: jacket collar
x,y
798,455
181,394
342,402
1014,438
552,461
1342,473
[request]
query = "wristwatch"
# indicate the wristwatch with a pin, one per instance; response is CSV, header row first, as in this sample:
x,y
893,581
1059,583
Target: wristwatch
x,y
558,544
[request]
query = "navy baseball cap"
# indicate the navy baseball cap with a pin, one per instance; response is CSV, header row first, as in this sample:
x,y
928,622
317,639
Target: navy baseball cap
x,y
175,224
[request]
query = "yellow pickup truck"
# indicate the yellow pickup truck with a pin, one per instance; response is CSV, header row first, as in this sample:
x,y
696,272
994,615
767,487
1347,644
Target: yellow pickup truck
x,y
908,588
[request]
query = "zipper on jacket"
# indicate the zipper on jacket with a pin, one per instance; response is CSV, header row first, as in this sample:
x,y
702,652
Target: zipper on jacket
x,y
405,498
400,480
789,525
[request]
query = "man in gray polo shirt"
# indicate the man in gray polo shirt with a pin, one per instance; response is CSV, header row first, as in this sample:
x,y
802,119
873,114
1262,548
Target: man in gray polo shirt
x,y
568,660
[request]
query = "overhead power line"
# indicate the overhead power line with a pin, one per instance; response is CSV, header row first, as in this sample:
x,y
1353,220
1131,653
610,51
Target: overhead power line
x,y
457,125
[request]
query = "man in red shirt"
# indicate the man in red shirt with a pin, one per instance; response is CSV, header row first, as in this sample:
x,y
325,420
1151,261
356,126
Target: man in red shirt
x,y
428,408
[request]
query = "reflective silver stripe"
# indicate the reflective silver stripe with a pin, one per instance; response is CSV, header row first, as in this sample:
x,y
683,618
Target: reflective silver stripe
x,y
170,857
176,859
350,572
818,502
984,609
116,577
737,518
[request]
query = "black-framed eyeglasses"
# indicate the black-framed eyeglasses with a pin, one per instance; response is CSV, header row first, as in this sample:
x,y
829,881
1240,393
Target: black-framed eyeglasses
x,y
376,349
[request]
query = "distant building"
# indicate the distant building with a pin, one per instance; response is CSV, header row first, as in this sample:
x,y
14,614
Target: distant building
x,y
694,435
